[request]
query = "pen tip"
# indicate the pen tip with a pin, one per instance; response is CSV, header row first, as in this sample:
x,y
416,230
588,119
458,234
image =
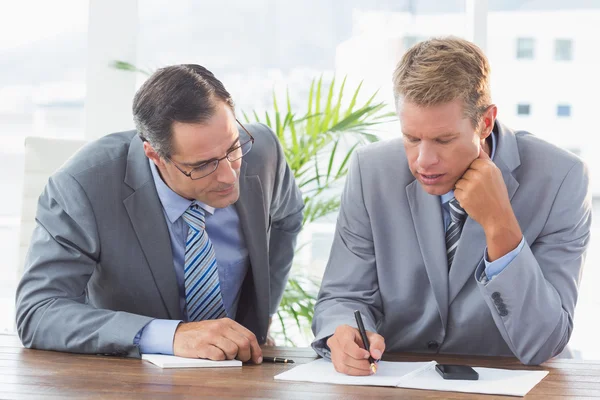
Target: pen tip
x,y
373,367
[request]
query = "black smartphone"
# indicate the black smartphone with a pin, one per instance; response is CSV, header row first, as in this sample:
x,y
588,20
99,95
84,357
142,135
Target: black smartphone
x,y
457,372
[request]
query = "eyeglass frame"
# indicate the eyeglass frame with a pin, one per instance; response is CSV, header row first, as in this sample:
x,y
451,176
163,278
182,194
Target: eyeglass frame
x,y
218,160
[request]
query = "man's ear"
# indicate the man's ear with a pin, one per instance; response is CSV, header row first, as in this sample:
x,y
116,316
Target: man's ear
x,y
153,155
488,120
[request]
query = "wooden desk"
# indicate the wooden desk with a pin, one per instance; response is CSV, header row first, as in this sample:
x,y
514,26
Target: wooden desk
x,y
40,374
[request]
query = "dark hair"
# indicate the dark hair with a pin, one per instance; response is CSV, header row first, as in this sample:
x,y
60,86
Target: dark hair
x,y
178,93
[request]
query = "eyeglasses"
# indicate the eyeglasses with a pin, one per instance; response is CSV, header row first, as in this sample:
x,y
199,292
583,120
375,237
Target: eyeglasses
x,y
210,166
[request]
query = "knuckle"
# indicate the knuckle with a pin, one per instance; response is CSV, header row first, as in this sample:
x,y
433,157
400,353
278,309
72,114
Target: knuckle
x,y
246,343
341,368
217,355
330,341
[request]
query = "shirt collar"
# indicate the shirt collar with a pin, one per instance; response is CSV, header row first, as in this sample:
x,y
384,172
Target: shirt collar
x,y
173,204
446,197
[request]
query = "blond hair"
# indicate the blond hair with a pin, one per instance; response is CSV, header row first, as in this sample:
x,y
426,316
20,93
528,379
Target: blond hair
x,y
440,70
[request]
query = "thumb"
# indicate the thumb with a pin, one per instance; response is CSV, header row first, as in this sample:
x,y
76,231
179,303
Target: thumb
x,y
377,345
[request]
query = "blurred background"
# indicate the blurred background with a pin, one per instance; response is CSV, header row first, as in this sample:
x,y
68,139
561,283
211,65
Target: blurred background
x,y
58,80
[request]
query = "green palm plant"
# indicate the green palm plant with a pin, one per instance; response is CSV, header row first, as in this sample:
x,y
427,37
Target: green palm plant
x,y
317,145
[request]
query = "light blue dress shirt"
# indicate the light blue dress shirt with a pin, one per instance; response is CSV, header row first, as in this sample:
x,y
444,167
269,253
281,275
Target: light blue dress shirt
x,y
225,232
491,268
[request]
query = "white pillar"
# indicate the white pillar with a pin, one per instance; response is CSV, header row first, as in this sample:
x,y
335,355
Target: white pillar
x,y
112,35
477,14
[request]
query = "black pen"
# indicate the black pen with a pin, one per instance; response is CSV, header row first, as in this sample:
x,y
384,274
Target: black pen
x,y
363,335
278,360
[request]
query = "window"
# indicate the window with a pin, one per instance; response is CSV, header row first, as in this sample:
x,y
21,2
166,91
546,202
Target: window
x,y
525,48
563,110
42,90
563,50
523,109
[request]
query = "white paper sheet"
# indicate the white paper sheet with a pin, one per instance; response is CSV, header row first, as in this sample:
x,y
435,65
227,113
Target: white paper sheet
x,y
491,381
420,375
165,361
388,373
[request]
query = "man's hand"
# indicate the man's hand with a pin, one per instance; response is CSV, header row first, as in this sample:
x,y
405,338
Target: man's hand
x,y
348,353
217,339
482,193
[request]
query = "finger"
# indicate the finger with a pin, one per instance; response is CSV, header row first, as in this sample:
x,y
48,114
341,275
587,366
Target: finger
x,y
470,174
351,343
342,343
244,351
211,352
460,185
254,346
228,346
243,342
377,346
348,362
349,370
343,360
351,349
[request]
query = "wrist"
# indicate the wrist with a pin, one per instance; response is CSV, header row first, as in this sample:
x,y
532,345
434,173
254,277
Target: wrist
x,y
502,236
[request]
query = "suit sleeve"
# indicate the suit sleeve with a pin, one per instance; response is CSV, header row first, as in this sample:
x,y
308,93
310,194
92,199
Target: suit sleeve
x,y
285,219
350,279
533,299
51,308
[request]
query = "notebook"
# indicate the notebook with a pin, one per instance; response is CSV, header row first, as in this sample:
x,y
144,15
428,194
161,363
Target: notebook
x,y
165,361
420,375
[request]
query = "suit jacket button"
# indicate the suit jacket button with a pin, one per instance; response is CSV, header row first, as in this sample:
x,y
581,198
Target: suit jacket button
x,y
433,345
496,295
503,312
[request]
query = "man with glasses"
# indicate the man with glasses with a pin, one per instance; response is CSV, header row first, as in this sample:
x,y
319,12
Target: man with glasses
x,y
176,238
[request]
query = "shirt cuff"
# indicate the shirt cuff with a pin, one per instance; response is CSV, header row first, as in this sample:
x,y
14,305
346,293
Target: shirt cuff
x,y
495,267
320,347
157,337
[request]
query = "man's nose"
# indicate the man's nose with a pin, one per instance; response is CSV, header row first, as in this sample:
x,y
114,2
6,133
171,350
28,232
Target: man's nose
x,y
427,156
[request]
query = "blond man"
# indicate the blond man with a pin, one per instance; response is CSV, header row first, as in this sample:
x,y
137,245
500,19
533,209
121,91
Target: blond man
x,y
462,236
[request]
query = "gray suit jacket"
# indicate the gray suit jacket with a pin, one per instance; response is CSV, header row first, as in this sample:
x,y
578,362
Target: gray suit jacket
x,y
389,257
100,264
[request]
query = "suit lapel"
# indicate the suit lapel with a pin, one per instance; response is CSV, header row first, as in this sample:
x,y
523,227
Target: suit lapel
x,y
252,214
427,218
147,218
472,240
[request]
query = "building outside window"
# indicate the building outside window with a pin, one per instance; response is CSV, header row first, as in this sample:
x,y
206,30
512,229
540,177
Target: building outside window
x,y
563,110
563,49
523,109
525,48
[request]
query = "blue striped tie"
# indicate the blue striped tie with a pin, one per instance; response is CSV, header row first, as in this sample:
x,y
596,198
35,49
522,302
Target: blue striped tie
x,y
202,289
457,221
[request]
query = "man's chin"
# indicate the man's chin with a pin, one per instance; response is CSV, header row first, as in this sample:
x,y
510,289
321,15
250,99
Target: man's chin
x,y
437,190
222,201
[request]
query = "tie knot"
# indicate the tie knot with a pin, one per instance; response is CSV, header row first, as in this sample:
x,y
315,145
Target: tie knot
x,y
457,213
194,217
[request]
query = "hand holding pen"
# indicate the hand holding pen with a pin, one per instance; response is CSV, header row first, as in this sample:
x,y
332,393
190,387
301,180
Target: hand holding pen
x,y
365,339
348,354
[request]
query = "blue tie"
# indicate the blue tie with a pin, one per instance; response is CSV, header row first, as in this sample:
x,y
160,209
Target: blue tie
x,y
457,221
202,289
